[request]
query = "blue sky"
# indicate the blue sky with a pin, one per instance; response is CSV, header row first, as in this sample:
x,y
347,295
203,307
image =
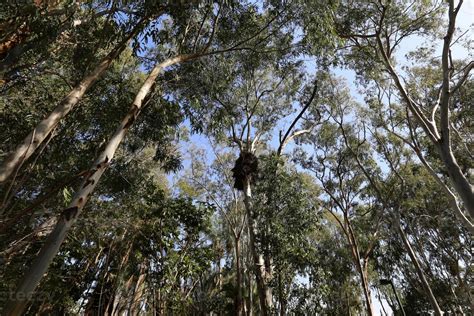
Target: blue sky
x,y
464,22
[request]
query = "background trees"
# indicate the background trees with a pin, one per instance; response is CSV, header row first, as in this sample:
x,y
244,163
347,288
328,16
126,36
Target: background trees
x,y
343,188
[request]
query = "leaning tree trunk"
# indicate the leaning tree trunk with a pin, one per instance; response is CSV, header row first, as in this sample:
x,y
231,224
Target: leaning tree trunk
x,y
36,137
419,271
264,292
68,216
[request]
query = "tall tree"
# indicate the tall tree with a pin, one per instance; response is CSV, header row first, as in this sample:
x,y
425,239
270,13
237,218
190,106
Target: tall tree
x,y
375,44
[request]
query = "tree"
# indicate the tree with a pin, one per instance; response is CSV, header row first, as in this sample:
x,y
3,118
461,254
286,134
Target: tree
x,y
203,158
390,25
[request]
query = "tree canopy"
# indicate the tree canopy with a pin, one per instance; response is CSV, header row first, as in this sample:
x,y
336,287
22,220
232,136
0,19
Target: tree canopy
x,y
236,157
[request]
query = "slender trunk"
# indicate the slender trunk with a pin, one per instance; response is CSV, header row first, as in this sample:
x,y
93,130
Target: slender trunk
x,y
238,303
459,181
361,269
381,303
250,290
120,305
219,274
443,143
40,265
368,298
31,142
119,292
268,261
264,294
419,271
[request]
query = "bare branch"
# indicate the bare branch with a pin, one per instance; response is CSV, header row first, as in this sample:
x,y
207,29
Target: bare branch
x,y
466,71
286,138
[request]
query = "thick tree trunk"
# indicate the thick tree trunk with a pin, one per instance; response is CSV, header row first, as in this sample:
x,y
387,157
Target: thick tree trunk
x,y
419,271
36,137
282,296
68,217
458,179
264,292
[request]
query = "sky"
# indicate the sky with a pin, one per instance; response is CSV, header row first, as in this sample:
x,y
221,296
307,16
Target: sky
x,y
464,22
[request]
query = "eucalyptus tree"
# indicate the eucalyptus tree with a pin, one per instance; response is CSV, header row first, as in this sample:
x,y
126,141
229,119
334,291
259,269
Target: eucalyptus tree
x,y
213,183
244,98
411,195
15,159
43,190
431,106
188,47
345,188
329,287
286,205
141,257
391,189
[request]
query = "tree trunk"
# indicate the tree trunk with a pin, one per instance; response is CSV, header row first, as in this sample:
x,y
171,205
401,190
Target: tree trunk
x,y
459,181
138,292
281,295
368,298
361,269
40,265
238,303
250,292
31,142
419,271
264,292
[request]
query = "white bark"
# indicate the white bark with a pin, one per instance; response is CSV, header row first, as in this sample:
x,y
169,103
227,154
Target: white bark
x,y
36,137
441,138
68,217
